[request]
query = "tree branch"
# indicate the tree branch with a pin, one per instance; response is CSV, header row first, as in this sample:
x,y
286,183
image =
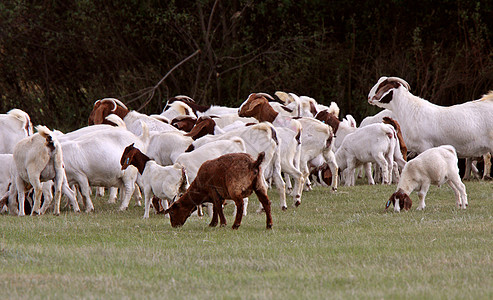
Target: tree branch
x,y
152,90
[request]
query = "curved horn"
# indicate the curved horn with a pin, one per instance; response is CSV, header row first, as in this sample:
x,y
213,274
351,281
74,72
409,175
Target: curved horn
x,y
184,97
117,102
112,101
401,81
265,95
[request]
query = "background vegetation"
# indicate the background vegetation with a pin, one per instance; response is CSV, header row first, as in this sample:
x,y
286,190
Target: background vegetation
x,y
333,246
58,57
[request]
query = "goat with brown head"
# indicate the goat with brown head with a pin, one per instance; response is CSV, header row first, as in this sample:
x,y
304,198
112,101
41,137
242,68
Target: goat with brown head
x,y
258,107
105,107
328,118
204,125
184,123
405,201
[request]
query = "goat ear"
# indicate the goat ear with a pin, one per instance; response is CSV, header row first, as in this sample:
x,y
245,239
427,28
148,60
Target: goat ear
x,y
201,128
390,201
254,105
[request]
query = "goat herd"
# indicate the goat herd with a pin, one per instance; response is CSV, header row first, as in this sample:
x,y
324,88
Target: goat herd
x,y
284,140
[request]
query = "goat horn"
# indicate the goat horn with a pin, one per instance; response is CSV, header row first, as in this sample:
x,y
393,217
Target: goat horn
x,y
265,95
184,97
401,81
112,100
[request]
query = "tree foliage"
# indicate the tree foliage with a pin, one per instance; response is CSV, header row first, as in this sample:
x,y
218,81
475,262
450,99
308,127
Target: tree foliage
x,y
58,57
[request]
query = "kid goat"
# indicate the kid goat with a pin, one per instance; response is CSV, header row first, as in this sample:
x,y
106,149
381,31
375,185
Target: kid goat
x,y
162,182
231,176
434,166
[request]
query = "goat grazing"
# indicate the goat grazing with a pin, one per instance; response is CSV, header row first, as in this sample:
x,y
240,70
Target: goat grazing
x,y
232,176
434,166
163,182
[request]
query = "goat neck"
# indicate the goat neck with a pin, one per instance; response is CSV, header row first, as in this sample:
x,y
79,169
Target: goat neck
x,y
139,160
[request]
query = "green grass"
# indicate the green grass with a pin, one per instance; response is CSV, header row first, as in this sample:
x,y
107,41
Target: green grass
x,y
333,246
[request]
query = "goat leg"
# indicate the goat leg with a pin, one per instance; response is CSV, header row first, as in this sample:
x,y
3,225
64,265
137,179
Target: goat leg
x,y
264,200
239,212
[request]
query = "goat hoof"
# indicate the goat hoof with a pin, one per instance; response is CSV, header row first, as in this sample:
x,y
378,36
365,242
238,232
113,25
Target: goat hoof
x,y
284,208
297,203
213,225
235,226
269,226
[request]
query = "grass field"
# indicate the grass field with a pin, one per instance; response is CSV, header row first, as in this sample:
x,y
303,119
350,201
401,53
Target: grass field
x,y
333,246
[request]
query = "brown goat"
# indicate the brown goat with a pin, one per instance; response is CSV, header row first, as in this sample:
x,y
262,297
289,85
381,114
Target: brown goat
x,y
397,128
231,176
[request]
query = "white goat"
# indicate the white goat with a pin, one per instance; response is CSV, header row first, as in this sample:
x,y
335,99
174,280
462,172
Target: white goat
x,y
166,183
165,147
39,158
93,160
213,149
114,119
176,109
14,126
374,143
433,166
133,119
468,126
377,118
223,121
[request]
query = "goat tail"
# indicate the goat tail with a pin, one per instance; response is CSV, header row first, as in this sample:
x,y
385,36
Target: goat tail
x,y
390,121
145,137
260,159
450,148
23,117
53,144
